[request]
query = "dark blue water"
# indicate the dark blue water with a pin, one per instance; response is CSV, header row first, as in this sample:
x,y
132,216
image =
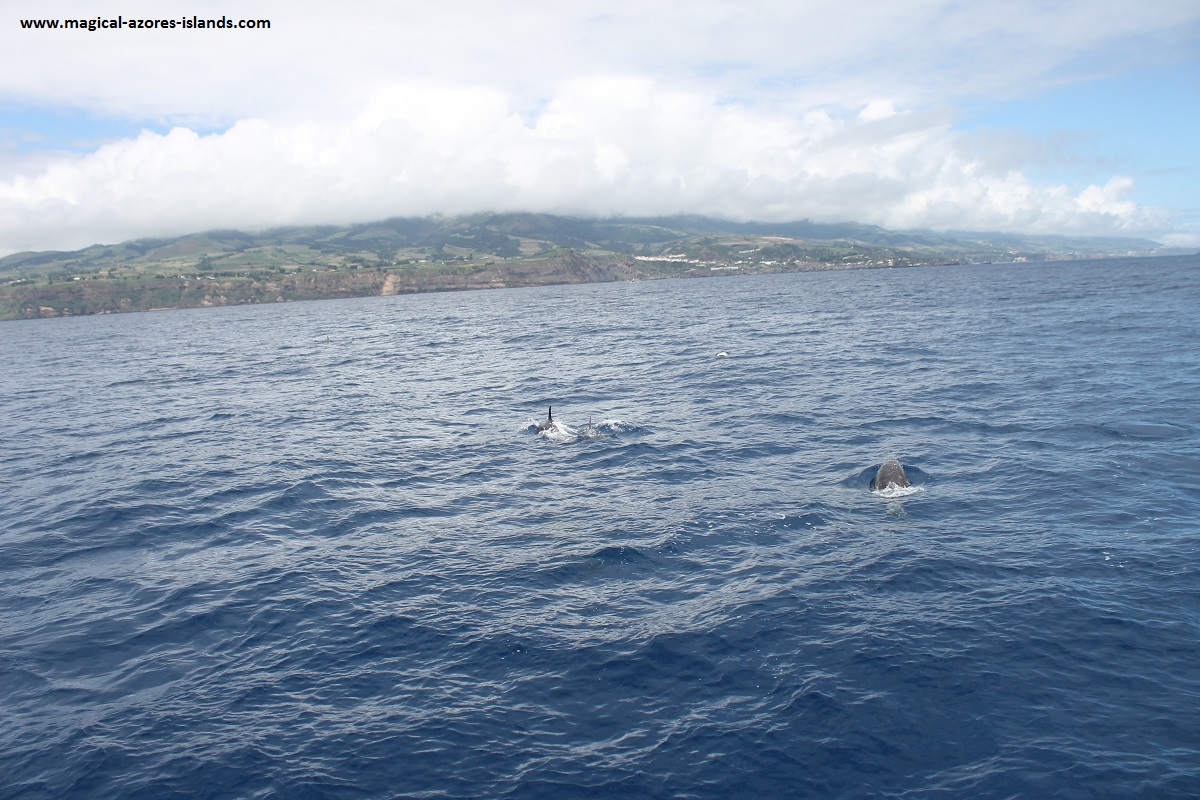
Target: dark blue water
x,y
318,550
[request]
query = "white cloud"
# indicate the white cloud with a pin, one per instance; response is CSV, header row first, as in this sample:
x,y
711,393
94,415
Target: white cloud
x,y
603,146
772,110
317,54
1191,240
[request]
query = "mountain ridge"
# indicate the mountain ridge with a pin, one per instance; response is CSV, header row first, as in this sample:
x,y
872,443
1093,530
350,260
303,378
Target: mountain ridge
x,y
415,254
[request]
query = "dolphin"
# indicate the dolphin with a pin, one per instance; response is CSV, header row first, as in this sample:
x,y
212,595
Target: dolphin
x,y
590,430
549,422
890,474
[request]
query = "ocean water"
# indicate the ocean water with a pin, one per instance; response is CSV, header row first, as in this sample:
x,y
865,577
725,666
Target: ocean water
x,y
319,550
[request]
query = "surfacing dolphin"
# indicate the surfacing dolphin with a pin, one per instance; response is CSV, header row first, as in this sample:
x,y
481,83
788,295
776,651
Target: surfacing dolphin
x,y
549,421
890,474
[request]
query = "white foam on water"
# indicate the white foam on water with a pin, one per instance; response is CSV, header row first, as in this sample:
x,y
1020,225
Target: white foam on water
x,y
892,491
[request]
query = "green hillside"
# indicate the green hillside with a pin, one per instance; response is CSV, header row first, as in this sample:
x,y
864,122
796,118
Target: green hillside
x,y
400,255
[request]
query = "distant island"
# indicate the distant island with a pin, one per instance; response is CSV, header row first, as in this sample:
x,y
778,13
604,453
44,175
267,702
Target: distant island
x,y
399,256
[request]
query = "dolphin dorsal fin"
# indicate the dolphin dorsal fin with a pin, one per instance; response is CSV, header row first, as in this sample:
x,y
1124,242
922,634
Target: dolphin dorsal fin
x,y
549,413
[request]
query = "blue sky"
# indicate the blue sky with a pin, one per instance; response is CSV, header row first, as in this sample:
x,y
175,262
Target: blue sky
x,y
1068,117
1145,123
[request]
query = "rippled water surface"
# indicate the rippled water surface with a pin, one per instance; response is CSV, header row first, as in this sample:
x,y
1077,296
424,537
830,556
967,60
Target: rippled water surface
x,y
319,550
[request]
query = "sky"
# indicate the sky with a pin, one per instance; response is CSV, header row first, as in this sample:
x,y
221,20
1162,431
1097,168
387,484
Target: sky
x,y
1041,116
